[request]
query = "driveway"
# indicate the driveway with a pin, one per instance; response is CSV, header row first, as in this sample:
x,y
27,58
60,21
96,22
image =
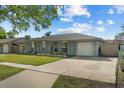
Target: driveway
x,y
93,68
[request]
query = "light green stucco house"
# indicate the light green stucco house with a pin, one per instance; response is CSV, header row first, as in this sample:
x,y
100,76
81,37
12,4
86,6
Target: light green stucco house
x,y
74,44
63,44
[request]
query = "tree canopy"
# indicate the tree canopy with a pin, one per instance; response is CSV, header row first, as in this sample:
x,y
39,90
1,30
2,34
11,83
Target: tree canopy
x,y
22,17
2,33
28,37
120,36
122,27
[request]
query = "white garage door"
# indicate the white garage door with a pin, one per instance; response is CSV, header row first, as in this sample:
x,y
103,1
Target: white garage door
x,y
122,47
85,49
5,48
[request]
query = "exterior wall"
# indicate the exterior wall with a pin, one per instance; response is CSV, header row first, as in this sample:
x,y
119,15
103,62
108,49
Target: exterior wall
x,y
71,48
109,49
96,48
9,47
1,48
14,49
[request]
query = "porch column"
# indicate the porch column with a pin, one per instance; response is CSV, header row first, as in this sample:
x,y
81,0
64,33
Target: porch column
x,y
60,47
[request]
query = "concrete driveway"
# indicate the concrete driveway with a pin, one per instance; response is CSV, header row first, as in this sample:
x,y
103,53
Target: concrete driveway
x,y
94,68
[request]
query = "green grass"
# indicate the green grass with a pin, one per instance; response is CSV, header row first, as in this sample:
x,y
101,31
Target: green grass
x,y
72,82
120,79
6,71
27,59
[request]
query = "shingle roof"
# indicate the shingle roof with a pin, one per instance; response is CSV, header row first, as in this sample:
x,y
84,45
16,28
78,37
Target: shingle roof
x,y
7,40
110,41
72,36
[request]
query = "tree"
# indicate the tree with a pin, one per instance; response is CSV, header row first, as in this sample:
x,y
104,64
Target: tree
x,y
11,34
2,33
122,27
21,17
120,36
27,37
48,33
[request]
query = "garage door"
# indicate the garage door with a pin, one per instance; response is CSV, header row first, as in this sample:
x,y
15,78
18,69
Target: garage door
x,y
5,48
85,49
121,47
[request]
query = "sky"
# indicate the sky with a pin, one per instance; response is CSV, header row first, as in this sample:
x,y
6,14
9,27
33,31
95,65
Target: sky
x,y
95,20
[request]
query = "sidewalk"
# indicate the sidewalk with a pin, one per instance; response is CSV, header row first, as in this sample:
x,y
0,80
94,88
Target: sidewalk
x,y
29,79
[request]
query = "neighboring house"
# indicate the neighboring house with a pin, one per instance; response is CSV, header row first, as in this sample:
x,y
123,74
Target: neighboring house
x,y
6,45
112,47
109,48
74,44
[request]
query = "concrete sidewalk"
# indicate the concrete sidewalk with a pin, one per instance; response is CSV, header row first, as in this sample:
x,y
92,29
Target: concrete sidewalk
x,y
29,79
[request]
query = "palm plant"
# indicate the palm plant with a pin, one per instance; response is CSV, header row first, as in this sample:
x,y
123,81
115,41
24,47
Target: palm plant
x,y
48,33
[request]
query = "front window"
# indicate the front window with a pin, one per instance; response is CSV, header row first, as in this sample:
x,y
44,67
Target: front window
x,y
55,46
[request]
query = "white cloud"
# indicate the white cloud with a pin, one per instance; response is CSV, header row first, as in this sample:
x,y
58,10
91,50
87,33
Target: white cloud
x,y
100,22
76,28
100,29
119,8
75,10
66,19
110,11
110,37
110,22
82,27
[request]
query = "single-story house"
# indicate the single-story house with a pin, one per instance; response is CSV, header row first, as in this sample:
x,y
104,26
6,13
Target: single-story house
x,y
73,44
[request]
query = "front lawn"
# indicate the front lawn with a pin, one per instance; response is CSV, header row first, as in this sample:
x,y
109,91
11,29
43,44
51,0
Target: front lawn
x,y
7,71
72,82
27,59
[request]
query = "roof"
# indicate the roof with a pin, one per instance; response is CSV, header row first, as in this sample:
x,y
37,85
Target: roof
x,y
110,41
24,40
7,40
72,36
